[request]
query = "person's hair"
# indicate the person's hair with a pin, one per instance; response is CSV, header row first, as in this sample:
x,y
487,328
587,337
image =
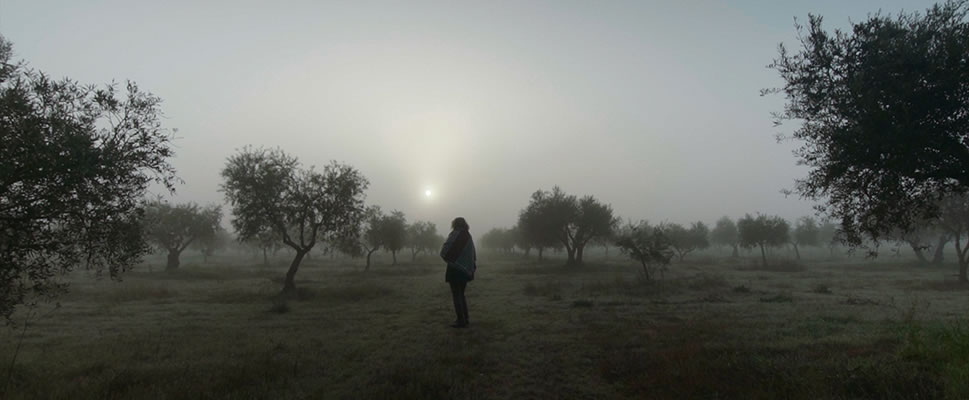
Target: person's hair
x,y
460,224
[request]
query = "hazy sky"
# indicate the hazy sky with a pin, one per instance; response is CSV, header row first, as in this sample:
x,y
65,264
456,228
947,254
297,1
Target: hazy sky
x,y
652,107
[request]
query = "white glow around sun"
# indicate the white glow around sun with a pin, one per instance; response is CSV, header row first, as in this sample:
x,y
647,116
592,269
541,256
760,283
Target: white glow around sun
x,y
428,193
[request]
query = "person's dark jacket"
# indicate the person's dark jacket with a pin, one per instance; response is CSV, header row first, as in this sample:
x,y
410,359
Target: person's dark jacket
x,y
458,252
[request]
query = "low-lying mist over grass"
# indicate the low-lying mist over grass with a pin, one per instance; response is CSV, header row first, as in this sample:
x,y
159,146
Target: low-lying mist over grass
x,y
835,327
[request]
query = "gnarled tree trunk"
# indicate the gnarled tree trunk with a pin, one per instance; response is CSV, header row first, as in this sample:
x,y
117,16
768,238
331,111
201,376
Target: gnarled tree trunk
x,y
369,253
289,286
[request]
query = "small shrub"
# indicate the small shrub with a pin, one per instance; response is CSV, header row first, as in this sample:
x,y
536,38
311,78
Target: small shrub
x,y
741,289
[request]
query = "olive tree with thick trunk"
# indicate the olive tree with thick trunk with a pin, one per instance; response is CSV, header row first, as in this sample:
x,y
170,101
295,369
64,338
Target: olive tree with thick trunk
x,y
571,221
174,228
268,190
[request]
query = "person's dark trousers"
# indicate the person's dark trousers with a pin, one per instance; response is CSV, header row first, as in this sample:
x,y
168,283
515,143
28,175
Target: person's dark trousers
x,y
460,303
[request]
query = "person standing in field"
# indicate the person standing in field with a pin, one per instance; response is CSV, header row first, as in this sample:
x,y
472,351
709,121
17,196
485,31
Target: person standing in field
x,y
458,252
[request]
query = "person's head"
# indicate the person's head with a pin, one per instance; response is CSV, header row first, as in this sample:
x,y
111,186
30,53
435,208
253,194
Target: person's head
x,y
459,224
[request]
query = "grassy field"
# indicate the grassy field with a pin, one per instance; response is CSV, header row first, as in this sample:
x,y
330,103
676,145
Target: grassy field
x,y
711,329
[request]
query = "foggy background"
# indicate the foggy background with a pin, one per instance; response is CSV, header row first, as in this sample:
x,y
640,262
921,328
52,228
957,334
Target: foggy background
x,y
650,106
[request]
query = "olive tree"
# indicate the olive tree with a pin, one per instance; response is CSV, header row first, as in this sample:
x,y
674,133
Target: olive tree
x,y
572,221
954,220
172,228
207,246
77,161
422,237
500,240
376,230
265,241
882,112
268,190
395,233
724,233
685,241
763,231
534,229
369,237
828,235
806,233
648,245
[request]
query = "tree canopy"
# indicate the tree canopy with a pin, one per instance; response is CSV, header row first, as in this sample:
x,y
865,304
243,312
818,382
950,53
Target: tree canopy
x,y
571,221
535,231
763,231
394,231
174,228
725,234
884,116
377,230
268,190
422,236
77,160
685,241
500,239
806,233
646,244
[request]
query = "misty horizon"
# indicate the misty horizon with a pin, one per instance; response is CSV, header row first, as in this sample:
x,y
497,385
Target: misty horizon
x,y
481,104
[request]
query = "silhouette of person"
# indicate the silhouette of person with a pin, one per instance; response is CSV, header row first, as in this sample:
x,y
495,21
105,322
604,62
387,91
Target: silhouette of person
x,y
458,252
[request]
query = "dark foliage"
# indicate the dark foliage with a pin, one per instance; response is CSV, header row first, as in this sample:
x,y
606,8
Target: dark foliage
x,y
77,160
269,191
885,116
